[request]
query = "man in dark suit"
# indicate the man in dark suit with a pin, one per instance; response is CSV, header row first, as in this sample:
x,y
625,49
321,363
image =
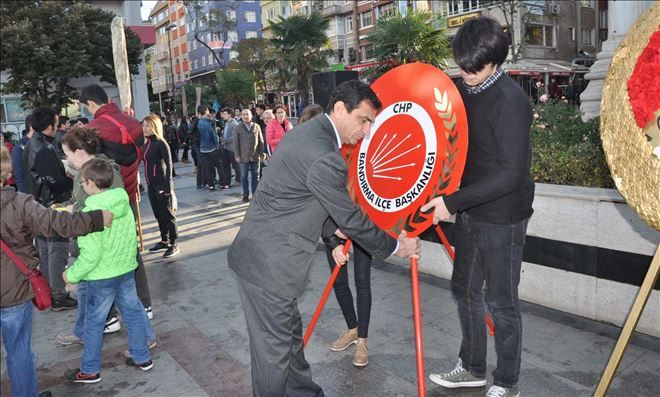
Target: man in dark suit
x,y
305,185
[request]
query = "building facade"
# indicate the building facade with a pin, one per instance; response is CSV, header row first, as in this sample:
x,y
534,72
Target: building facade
x,y
245,16
270,11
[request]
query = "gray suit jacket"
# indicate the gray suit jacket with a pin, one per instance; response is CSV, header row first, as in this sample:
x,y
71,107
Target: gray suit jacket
x,y
305,183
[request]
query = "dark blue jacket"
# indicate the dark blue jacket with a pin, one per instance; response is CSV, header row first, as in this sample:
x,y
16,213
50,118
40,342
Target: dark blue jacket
x,y
208,139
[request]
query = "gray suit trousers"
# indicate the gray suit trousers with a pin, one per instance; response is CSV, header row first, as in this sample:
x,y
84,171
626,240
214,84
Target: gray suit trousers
x,y
278,362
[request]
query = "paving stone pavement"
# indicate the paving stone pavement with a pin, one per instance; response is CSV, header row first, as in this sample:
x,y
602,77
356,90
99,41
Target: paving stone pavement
x,y
203,346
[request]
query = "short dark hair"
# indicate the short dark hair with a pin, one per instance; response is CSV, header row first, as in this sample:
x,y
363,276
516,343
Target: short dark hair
x,y
202,109
280,106
28,123
260,106
226,109
309,113
43,117
64,119
98,171
82,138
352,93
83,120
94,93
479,42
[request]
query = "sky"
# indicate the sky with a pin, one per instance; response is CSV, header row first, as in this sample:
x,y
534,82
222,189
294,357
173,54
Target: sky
x,y
147,5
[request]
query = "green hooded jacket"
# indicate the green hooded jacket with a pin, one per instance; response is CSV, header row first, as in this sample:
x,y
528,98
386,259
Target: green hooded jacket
x,y
112,252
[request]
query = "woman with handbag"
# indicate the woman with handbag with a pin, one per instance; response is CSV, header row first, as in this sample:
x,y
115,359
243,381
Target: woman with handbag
x,y
158,170
20,283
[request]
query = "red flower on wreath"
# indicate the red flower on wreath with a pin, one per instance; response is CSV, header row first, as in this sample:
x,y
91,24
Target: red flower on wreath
x,y
644,84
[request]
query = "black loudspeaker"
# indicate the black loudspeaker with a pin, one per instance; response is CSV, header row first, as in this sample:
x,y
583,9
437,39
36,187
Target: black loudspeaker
x,y
324,83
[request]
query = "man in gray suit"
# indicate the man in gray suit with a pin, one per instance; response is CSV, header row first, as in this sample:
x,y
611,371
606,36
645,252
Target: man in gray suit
x,y
305,186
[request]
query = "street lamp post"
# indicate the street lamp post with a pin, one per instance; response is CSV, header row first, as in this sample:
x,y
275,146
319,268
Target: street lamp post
x,y
169,52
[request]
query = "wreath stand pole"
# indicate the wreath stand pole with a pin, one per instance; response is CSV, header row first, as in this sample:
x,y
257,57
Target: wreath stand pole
x,y
417,321
452,255
325,295
630,325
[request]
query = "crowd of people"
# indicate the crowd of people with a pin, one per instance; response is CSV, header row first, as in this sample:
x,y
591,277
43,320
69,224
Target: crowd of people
x,y
71,209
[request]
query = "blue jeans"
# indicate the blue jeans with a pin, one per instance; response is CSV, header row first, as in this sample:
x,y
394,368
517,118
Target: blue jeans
x,y
491,254
16,324
99,296
253,166
79,327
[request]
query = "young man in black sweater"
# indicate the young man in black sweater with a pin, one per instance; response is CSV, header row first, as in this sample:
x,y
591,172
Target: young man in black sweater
x,y
492,208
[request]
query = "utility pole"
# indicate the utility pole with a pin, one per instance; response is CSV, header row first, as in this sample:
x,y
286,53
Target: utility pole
x,y
169,52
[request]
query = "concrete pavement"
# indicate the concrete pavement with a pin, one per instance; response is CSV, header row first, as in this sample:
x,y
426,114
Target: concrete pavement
x,y
202,339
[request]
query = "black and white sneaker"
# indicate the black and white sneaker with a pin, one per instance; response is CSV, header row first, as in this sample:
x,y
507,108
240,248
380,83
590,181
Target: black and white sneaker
x,y
111,326
66,303
144,366
150,312
159,246
77,376
171,251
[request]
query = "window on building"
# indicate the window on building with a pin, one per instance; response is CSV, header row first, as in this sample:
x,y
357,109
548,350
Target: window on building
x,y
571,33
210,59
588,37
285,11
231,14
587,3
365,20
250,34
455,7
348,23
203,62
182,21
250,16
271,14
232,36
387,9
540,35
208,37
233,54
602,22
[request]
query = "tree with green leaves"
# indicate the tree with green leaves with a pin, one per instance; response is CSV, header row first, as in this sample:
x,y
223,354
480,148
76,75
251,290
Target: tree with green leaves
x,y
46,44
253,56
210,18
301,42
398,39
235,86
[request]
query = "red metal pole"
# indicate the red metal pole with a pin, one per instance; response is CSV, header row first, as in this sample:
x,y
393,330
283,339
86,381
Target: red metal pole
x,y
325,295
452,255
419,340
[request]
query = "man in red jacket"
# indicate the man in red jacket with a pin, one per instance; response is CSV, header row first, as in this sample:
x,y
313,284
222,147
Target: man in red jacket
x,y
121,146
121,140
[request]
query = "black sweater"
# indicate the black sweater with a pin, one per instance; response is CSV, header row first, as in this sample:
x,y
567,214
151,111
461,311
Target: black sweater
x,y
158,164
497,185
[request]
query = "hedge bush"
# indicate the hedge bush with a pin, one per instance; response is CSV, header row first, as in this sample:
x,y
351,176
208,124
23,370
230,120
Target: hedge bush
x,y
567,150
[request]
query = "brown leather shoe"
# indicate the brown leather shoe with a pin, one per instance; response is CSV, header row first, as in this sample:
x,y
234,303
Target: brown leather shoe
x,y
346,339
361,356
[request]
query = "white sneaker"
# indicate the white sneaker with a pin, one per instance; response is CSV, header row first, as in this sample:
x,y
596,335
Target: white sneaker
x,y
498,391
66,340
458,377
150,314
112,326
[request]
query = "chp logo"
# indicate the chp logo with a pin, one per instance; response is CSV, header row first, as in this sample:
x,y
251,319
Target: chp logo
x,y
416,149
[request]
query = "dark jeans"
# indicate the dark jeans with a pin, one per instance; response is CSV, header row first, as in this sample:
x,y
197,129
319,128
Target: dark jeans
x,y
53,255
195,155
229,162
185,146
140,274
362,274
218,166
161,204
491,254
207,168
253,168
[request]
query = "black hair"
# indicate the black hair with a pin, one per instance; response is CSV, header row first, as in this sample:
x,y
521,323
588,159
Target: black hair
x,y
98,171
83,120
479,42
260,106
226,109
28,122
63,119
309,113
43,117
202,109
94,93
352,93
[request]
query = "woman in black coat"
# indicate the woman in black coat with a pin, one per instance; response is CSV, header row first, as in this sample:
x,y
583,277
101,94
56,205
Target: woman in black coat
x,y
158,170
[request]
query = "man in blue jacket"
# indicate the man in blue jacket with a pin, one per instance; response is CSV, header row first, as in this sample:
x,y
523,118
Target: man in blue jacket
x,y
208,147
17,155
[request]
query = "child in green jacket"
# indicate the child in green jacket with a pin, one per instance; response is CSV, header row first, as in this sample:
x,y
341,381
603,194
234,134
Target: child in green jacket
x,y
106,265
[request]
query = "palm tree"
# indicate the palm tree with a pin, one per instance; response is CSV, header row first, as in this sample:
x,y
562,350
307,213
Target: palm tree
x,y
301,43
399,39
